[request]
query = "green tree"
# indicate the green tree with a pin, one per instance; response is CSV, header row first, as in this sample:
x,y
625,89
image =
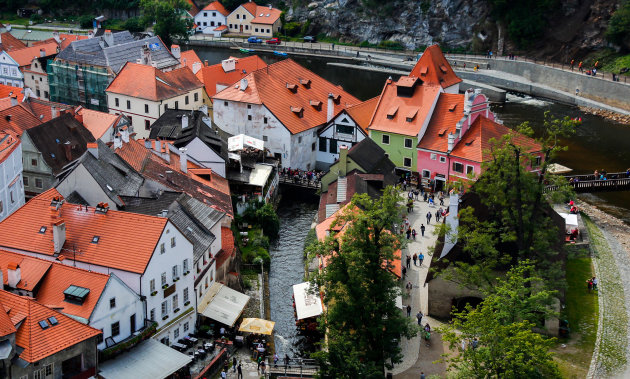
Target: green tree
x,y
495,340
363,325
268,219
169,18
619,26
526,20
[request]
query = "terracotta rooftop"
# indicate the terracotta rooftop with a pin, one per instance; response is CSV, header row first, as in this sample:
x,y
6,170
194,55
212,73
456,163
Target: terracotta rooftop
x,y
217,6
213,76
475,144
147,82
43,109
362,112
67,39
18,119
6,91
193,8
32,270
9,42
448,111
433,68
25,56
30,229
8,143
278,87
262,14
188,57
227,246
97,122
404,111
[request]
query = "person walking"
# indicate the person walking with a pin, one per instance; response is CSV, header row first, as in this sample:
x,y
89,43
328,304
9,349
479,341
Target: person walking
x,y
413,233
239,371
421,258
580,67
422,228
233,364
263,366
594,280
428,218
404,272
572,64
275,360
409,287
408,233
438,214
408,310
422,376
408,261
286,360
425,196
441,199
589,285
415,259
419,316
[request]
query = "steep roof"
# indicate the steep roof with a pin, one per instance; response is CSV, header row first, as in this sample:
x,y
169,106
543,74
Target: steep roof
x,y
21,231
448,111
25,55
43,63
8,143
97,122
475,144
287,89
371,158
147,82
60,141
217,6
8,42
32,270
262,14
214,75
404,106
43,109
17,119
188,57
362,113
6,91
37,342
433,68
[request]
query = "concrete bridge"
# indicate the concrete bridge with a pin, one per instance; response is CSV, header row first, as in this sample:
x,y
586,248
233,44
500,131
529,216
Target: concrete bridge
x,y
617,181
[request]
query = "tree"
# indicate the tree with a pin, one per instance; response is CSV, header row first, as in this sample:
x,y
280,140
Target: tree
x,y
496,340
619,26
526,20
169,17
362,322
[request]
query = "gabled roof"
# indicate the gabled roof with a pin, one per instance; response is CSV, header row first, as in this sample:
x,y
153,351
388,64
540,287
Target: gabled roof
x,y
279,88
433,68
43,109
214,75
60,141
147,82
217,6
43,63
188,57
8,42
22,231
392,114
8,143
98,122
37,342
262,14
475,144
371,158
362,113
448,111
67,39
193,8
17,119
6,91
32,270
25,56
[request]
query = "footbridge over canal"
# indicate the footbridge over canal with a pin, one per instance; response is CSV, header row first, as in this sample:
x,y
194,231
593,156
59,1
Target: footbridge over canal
x,y
617,181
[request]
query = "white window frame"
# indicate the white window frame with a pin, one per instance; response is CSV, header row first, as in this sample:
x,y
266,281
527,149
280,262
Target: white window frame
x,y
383,139
453,167
428,175
472,169
442,159
152,285
433,156
410,143
164,308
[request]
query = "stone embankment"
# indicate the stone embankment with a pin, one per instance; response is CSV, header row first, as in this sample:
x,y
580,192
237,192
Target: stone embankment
x,y
622,118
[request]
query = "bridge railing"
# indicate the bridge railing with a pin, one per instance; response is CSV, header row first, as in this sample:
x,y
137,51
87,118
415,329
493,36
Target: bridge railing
x,y
587,177
294,367
299,181
621,184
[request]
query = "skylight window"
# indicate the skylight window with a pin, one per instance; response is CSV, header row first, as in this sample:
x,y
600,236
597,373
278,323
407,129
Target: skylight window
x,y
95,239
470,142
75,294
43,324
53,320
42,230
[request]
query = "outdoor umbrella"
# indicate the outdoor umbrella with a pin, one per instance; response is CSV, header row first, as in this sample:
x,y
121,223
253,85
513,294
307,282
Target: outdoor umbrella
x,y
257,325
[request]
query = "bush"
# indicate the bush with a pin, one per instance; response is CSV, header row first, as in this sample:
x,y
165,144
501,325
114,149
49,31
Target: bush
x,y
268,219
36,18
134,25
619,25
292,28
86,21
392,45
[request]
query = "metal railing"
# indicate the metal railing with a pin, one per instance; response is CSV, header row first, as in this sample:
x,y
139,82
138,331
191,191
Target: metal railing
x,y
294,367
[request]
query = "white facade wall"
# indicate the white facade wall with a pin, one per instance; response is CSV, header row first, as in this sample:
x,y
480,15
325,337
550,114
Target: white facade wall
x,y
36,79
303,150
452,89
138,114
127,302
240,21
83,182
10,73
338,136
11,183
207,157
209,20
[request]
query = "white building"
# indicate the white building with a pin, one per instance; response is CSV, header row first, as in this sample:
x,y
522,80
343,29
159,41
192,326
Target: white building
x,y
211,17
96,238
11,186
10,73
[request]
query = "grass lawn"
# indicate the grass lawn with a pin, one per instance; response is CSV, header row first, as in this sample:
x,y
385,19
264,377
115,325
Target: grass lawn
x,y
582,313
13,19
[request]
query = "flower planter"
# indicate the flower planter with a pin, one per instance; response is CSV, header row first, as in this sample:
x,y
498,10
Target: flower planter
x,y
153,293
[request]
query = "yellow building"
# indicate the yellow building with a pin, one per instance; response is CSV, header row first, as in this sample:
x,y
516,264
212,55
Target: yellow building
x,y
254,20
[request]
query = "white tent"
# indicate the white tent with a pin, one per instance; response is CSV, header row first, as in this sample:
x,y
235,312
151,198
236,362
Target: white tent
x,y
306,304
223,304
570,220
241,141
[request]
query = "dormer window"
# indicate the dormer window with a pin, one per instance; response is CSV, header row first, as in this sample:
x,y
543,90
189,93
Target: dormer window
x,y
452,108
441,133
292,87
316,104
42,230
337,99
470,142
95,239
299,111
411,115
306,83
443,68
424,70
392,112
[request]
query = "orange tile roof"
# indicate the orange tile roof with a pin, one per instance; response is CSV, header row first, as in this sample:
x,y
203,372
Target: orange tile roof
x,y
213,75
193,8
17,119
270,87
32,270
433,68
97,122
6,91
21,231
147,82
220,27
362,113
6,325
262,14
448,111
43,108
25,56
67,39
189,57
8,143
475,144
59,278
40,343
8,42
217,6
392,111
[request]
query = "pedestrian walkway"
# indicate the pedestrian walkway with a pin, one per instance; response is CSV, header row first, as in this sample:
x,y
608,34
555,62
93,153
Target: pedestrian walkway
x,y
417,357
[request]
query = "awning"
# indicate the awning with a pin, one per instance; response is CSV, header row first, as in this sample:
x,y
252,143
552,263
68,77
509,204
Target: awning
x,y
306,304
257,325
569,219
555,168
241,141
149,359
222,304
259,175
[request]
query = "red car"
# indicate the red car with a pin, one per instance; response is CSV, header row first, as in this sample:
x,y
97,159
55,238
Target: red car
x,y
273,41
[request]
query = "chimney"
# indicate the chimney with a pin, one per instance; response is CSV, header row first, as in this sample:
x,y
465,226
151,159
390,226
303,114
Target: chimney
x,y
184,121
14,275
55,35
78,117
67,149
205,63
59,235
117,141
468,100
451,141
146,56
228,65
14,101
176,51
108,37
343,160
91,34
330,110
124,134
53,111
42,52
196,66
93,149
269,6
183,159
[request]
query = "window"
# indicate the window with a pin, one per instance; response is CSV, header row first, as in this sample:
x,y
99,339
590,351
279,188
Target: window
x,y
11,196
175,302
185,265
186,327
407,162
25,180
214,14
206,282
112,303
442,159
162,248
130,120
256,30
205,14
322,144
408,143
128,104
164,308
163,279
46,94
249,117
246,26
177,105
165,107
458,167
152,285
34,162
426,173
185,295
211,23
237,16
265,138
196,96
39,183
115,329
38,93
300,139
174,272
40,79
345,129
264,120
147,125
152,315
244,16
146,108
99,338
172,241
268,31
313,146
230,26
385,139
333,147
48,370
225,103
186,100
537,162
176,333
470,170
433,156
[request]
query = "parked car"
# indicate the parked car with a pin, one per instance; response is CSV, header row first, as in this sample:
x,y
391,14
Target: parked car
x,y
273,41
310,39
254,40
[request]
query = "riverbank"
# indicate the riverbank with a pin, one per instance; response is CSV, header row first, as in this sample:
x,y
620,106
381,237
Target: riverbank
x,y
617,117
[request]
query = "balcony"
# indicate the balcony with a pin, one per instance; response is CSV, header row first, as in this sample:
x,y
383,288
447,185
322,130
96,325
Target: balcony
x,y
147,331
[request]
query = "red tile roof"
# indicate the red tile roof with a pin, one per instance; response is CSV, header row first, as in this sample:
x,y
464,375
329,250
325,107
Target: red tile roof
x,y
217,6
475,144
448,111
6,91
6,325
8,42
189,57
17,119
193,8
97,122
25,56
43,108
433,68
21,231
270,87
362,113
67,39
32,270
147,82
8,143
39,343
214,75
227,246
220,27
404,114
262,14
